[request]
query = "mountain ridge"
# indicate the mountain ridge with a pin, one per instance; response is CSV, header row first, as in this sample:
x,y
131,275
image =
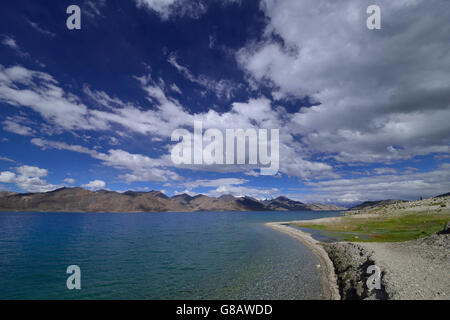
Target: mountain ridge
x,y
77,199
376,203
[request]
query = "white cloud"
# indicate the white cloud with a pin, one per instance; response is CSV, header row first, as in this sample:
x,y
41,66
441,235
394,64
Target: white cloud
x,y
10,42
222,88
225,186
14,127
382,95
43,95
407,186
102,98
69,180
170,115
241,191
39,29
28,178
65,110
143,168
39,91
92,8
6,159
175,88
188,192
252,173
7,176
30,171
169,8
95,185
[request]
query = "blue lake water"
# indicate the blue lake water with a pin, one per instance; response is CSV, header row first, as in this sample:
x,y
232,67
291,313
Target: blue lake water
x,y
202,255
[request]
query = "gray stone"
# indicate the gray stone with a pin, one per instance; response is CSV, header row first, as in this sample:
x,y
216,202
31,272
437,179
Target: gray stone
x,y
446,229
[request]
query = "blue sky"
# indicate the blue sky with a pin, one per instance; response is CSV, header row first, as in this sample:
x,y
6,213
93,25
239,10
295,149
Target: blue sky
x,y
363,114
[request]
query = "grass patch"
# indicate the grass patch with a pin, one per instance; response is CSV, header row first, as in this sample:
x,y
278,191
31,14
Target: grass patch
x,y
389,228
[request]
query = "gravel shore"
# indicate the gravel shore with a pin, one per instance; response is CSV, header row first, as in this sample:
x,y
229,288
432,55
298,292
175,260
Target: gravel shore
x,y
417,269
328,277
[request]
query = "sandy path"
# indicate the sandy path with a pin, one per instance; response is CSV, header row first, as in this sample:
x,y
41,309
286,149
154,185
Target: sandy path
x,y
418,269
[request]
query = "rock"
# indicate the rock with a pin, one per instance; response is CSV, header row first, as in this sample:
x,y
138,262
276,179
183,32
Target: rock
x,y
446,229
350,262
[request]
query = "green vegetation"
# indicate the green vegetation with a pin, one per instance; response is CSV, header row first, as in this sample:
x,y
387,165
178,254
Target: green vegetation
x,y
388,228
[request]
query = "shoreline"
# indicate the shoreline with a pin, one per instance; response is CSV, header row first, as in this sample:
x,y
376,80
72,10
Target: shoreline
x,y
328,275
405,266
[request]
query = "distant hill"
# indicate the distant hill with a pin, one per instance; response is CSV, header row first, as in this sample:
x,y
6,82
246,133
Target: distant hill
x,y
325,207
373,204
7,193
286,204
436,204
82,200
443,195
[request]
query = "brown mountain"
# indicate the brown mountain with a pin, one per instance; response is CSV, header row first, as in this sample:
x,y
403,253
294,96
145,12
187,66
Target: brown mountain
x,y
7,193
82,200
285,204
325,207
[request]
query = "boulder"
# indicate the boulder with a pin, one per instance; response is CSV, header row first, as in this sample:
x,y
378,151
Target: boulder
x,y
446,229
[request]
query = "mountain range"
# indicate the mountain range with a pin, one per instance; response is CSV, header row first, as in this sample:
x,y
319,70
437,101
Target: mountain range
x,y
82,200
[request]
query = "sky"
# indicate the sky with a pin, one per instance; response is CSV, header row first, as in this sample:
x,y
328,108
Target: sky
x,y
363,114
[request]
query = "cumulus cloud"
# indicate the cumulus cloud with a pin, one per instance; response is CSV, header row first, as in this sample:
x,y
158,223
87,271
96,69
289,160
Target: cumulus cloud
x,y
15,127
95,185
256,113
382,95
39,91
143,168
69,180
7,176
28,178
320,129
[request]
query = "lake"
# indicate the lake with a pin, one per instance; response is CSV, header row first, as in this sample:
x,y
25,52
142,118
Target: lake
x,y
201,255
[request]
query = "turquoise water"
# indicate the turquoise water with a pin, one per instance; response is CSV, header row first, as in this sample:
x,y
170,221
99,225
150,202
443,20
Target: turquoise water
x,y
203,255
